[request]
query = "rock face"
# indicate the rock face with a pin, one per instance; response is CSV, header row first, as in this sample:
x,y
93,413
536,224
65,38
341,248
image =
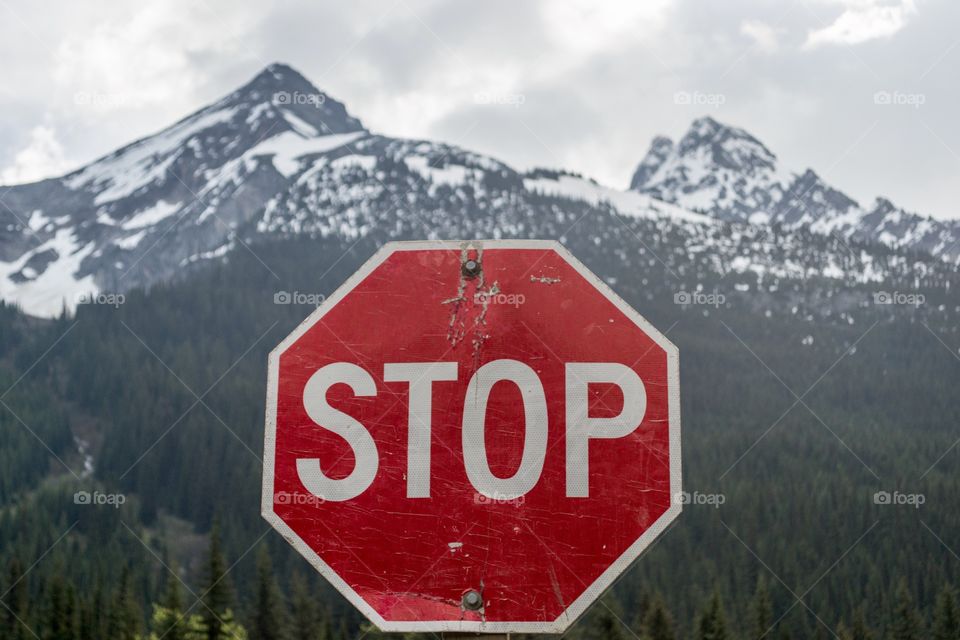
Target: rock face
x,y
728,174
278,157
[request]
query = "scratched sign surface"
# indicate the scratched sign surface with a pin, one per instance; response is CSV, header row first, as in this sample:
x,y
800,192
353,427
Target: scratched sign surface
x,y
472,437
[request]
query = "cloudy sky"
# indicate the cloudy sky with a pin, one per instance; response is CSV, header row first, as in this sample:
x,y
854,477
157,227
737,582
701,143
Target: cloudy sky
x,y
863,91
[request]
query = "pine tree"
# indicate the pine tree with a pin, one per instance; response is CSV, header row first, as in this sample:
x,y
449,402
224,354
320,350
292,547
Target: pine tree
x,y
606,626
843,632
124,615
171,624
343,632
53,615
60,619
218,597
761,611
269,618
71,613
906,623
658,624
96,621
860,629
85,620
946,616
327,625
13,613
306,620
712,624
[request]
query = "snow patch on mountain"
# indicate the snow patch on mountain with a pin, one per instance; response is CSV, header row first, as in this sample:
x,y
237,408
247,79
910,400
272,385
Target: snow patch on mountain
x,y
725,172
47,293
288,148
150,216
451,174
626,202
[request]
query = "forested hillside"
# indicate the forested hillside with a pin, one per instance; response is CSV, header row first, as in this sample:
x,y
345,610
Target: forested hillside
x,y
801,400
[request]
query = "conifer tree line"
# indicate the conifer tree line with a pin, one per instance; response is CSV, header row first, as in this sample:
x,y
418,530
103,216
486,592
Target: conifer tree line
x,y
293,612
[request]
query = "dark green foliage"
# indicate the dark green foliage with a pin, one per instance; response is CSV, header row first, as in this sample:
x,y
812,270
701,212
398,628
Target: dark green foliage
x,y
61,620
658,624
761,612
605,624
712,624
174,625
269,613
906,623
861,629
309,618
946,616
125,617
13,611
218,595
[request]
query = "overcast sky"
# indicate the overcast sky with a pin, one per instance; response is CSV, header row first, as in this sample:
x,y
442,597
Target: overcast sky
x,y
578,84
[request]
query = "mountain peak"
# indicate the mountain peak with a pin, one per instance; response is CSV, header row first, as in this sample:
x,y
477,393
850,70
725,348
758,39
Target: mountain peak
x,y
707,146
725,172
705,125
280,89
713,167
725,146
278,77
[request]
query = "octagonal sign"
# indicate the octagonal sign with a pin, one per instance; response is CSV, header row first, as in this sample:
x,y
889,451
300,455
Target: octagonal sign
x,y
474,437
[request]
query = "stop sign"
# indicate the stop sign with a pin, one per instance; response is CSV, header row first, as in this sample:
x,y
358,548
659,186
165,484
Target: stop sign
x,y
473,436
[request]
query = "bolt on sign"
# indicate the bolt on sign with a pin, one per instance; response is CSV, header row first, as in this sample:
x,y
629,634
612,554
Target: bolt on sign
x,y
472,437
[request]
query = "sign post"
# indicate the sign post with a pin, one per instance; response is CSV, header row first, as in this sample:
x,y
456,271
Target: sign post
x,y
472,437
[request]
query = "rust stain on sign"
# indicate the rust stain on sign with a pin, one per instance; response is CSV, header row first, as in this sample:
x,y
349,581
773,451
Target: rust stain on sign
x,y
470,305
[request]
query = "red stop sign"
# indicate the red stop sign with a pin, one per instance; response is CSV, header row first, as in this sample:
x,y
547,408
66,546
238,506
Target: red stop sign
x,y
473,436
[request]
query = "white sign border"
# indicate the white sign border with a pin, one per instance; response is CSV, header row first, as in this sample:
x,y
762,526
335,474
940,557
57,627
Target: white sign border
x,y
579,606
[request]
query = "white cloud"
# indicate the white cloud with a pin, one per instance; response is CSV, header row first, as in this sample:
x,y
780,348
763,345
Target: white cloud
x,y
579,83
765,37
863,20
43,157
587,26
144,55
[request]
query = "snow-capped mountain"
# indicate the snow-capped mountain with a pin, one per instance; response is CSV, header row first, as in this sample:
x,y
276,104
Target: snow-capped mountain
x,y
278,158
727,173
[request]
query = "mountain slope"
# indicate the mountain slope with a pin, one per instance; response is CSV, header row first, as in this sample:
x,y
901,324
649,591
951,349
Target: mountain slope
x,y
134,216
279,158
727,173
